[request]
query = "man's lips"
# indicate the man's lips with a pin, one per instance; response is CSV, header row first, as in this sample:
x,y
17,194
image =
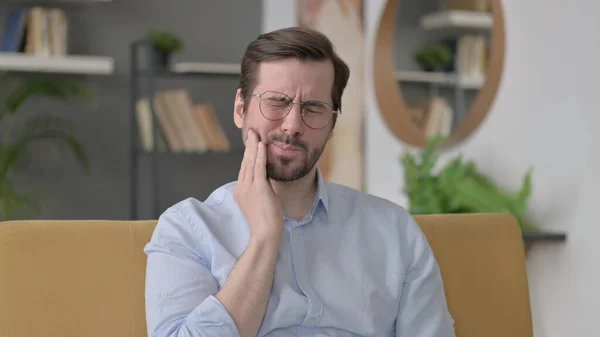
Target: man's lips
x,y
286,147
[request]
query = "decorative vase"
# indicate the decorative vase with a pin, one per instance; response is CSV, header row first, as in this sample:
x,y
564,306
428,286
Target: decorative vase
x,y
162,59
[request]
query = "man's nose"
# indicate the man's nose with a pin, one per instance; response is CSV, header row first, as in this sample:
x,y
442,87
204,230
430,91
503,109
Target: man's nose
x,y
292,123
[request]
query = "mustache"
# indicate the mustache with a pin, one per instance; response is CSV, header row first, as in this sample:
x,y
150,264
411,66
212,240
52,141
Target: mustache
x,y
288,139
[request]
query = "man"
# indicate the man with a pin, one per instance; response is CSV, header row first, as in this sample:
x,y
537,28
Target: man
x,y
280,251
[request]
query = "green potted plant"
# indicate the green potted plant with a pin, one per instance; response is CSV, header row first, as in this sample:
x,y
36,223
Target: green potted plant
x,y
19,134
165,44
434,57
459,187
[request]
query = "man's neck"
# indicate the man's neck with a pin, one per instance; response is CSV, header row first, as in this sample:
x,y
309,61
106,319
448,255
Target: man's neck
x,y
296,196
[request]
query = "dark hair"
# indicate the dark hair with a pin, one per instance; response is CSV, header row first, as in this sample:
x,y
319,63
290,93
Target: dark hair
x,y
296,42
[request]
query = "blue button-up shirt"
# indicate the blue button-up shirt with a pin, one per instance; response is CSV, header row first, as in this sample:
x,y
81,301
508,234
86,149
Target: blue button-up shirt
x,y
356,265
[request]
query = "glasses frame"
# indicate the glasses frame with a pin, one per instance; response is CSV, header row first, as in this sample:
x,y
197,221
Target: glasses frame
x,y
289,108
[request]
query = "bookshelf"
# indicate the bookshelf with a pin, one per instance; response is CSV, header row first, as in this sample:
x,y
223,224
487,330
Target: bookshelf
x,y
543,236
71,64
148,73
440,78
457,19
55,2
205,68
35,38
448,100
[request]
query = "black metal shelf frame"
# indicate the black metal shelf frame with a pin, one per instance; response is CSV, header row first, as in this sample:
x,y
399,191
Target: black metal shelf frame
x,y
151,72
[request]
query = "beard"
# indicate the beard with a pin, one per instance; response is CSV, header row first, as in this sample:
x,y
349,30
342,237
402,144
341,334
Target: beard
x,y
279,168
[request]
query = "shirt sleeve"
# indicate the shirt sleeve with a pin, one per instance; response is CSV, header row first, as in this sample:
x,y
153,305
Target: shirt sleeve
x,y
180,287
423,310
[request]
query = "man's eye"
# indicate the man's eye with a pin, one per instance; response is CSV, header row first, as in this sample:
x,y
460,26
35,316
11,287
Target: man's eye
x,y
276,103
315,109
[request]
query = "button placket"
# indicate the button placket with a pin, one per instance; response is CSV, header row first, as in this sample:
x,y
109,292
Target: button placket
x,y
299,265
298,259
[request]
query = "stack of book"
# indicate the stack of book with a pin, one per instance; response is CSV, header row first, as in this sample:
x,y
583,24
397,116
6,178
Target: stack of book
x,y
184,126
38,31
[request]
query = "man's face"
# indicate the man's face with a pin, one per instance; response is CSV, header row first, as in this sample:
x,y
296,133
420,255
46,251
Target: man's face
x,y
293,148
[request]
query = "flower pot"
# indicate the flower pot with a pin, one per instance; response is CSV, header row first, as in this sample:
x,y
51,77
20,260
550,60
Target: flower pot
x,y
433,69
162,59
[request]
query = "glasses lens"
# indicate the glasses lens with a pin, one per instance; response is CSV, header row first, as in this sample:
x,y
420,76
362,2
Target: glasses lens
x,y
274,105
317,114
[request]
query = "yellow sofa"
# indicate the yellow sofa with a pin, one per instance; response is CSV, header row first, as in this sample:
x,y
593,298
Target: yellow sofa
x,y
86,278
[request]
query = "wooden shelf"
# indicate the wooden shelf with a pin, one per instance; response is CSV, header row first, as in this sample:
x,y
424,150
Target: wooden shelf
x,y
73,64
440,78
206,68
54,2
457,19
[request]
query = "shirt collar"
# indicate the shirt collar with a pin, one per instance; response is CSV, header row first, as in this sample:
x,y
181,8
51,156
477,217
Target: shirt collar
x,y
322,193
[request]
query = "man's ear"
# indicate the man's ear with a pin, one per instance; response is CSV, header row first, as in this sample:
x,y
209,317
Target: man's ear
x,y
331,133
238,109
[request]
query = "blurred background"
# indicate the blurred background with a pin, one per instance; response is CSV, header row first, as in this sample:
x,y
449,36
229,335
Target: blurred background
x,y
98,37
491,103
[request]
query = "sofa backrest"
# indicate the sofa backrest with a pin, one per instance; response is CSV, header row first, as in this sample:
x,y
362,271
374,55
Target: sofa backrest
x,y
86,278
482,260
73,278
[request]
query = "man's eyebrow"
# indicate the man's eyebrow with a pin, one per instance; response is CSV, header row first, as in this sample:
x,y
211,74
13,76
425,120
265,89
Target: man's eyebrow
x,y
316,102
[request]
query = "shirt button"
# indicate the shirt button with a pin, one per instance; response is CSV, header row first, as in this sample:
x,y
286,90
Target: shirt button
x,y
312,321
296,233
301,280
163,295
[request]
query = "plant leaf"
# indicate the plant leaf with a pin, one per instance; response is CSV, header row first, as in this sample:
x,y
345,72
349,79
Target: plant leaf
x,y
520,201
65,90
459,187
43,127
14,204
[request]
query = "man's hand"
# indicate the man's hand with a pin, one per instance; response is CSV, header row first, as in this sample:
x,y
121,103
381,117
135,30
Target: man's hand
x,y
245,294
254,193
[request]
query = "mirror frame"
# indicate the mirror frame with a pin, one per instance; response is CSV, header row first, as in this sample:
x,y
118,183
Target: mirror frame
x,y
388,95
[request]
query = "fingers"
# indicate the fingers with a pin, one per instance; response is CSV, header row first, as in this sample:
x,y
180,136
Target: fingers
x,y
242,173
251,144
260,168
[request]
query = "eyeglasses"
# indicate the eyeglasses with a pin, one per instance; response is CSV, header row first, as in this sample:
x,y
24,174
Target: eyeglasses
x,y
275,106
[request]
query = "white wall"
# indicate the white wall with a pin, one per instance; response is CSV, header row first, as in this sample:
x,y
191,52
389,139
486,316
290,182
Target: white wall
x,y
544,116
278,14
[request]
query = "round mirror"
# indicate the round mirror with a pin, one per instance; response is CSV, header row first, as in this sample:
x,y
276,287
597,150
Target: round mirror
x,y
437,67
